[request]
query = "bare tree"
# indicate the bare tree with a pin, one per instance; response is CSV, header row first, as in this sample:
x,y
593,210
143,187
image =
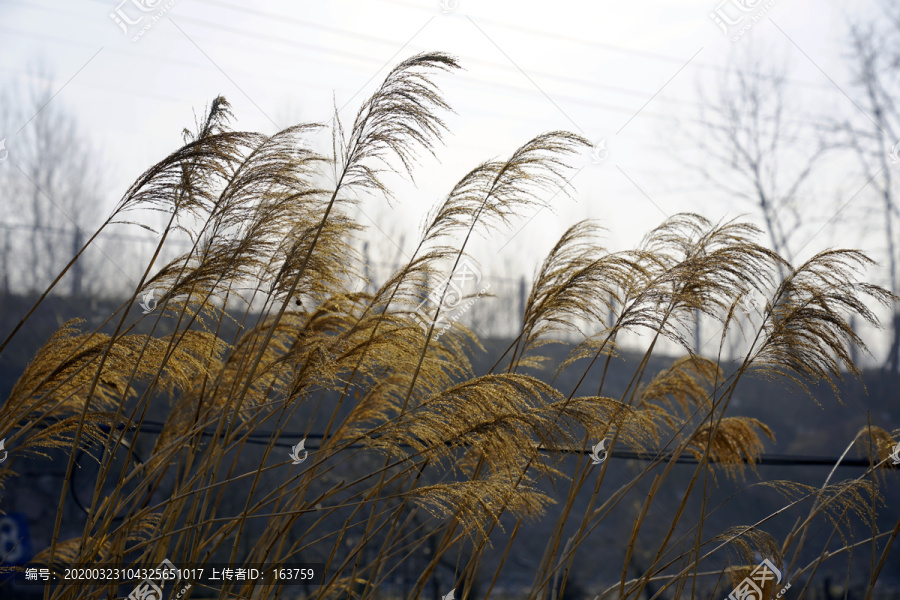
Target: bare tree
x,y
751,146
50,184
753,152
875,142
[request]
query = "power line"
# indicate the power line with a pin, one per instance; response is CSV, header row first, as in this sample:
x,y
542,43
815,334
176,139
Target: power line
x,y
368,59
610,47
384,41
477,81
643,94
470,82
256,439
766,459
502,24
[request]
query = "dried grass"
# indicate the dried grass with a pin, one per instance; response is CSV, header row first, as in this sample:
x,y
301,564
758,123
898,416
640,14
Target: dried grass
x,y
446,455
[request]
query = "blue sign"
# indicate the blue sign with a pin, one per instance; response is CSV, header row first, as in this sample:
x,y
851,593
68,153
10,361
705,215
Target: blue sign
x,y
15,543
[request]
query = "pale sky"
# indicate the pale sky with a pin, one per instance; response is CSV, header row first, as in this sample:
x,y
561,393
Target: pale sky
x,y
624,71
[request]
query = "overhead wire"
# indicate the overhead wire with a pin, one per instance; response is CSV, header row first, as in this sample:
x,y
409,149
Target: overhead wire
x,y
367,58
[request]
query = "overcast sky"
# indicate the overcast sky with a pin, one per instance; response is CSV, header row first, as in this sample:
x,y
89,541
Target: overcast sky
x,y
627,72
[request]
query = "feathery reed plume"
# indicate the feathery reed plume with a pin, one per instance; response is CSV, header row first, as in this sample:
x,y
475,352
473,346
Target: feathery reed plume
x,y
749,543
473,503
493,192
682,386
575,282
410,447
735,445
877,445
401,116
807,337
839,503
100,548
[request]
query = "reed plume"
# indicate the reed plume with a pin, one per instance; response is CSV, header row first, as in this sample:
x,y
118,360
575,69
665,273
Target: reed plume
x,y
266,329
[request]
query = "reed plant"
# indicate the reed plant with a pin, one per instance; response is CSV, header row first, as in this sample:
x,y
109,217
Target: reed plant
x,y
266,325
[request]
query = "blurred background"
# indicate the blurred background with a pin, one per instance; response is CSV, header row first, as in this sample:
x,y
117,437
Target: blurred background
x,y
779,112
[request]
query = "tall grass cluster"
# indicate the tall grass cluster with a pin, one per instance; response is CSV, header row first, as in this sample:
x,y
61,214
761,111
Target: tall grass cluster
x,y
265,326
